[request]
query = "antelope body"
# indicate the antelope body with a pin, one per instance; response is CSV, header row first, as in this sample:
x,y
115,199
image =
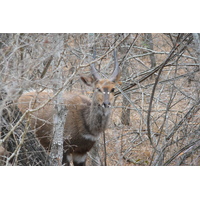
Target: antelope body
x,y
85,119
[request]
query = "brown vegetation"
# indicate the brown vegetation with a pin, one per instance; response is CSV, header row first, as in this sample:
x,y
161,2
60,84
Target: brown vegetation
x,y
160,89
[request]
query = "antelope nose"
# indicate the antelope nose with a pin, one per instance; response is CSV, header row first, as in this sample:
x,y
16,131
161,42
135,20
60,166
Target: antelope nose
x,y
106,104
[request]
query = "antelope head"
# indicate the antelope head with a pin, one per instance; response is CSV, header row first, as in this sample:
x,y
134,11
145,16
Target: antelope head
x,y
103,95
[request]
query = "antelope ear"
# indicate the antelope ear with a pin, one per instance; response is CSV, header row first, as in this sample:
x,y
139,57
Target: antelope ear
x,y
88,80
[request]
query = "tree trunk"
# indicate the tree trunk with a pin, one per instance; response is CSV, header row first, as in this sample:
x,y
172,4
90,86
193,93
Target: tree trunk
x,y
150,46
125,116
196,37
59,118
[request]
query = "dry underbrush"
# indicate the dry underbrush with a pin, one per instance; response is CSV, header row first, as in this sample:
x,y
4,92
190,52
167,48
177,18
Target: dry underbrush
x,y
130,145
174,106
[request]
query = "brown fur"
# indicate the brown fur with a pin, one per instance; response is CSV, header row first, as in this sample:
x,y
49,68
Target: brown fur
x,y
85,120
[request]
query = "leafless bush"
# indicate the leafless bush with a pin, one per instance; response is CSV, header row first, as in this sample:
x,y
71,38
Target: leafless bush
x,y
156,113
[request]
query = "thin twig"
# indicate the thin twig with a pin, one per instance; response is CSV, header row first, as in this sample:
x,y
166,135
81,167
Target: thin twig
x,y
94,61
180,151
29,111
104,145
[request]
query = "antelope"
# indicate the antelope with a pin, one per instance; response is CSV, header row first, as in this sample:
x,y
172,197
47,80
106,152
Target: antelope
x,y
86,118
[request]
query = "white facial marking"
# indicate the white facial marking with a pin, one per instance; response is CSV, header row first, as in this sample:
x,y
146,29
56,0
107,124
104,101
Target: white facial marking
x,y
90,137
79,158
69,158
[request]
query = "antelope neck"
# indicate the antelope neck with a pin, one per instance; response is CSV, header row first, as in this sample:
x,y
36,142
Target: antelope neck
x,y
98,118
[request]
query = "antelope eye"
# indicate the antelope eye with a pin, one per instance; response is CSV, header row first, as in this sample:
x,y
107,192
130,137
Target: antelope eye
x,y
113,89
98,90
